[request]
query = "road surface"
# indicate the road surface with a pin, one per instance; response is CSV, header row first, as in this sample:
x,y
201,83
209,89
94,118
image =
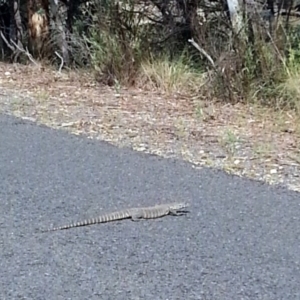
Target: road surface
x,y
241,239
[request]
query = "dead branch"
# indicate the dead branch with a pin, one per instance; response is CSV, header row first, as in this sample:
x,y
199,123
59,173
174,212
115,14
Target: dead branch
x,y
6,42
62,62
26,52
203,52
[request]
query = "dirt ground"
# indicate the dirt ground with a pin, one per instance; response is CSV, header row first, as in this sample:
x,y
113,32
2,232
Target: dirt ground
x,y
244,140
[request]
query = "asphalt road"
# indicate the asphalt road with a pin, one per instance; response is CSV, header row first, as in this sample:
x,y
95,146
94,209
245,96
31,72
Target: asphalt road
x,y
241,239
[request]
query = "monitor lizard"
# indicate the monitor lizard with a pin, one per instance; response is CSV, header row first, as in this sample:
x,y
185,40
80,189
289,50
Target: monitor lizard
x,y
135,214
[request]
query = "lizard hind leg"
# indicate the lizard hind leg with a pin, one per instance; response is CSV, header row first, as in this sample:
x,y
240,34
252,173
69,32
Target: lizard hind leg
x,y
136,216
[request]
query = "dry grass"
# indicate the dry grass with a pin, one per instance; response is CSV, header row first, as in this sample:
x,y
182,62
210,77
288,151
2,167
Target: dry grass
x,y
291,90
170,77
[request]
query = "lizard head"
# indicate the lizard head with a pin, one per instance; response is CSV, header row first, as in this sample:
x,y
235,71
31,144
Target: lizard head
x,y
179,205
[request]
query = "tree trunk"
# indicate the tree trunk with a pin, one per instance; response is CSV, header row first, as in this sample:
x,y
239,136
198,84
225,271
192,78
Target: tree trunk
x,y
38,26
15,27
60,33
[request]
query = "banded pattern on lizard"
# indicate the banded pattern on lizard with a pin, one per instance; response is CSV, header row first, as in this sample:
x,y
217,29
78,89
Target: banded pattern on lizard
x,y
135,214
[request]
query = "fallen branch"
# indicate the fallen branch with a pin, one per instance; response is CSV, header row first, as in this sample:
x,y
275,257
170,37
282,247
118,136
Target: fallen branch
x,y
202,51
62,61
219,73
6,42
26,52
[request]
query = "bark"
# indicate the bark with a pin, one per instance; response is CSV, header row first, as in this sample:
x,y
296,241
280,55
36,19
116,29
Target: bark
x,y
236,15
38,26
15,27
60,33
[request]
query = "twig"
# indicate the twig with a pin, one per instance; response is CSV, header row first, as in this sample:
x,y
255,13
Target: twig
x,y
6,42
26,52
218,72
202,51
62,61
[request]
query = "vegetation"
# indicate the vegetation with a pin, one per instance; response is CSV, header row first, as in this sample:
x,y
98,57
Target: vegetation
x,y
189,46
